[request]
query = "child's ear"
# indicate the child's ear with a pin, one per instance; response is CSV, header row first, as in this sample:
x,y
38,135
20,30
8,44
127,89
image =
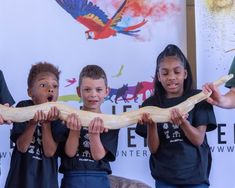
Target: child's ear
x,y
78,91
107,91
29,92
159,78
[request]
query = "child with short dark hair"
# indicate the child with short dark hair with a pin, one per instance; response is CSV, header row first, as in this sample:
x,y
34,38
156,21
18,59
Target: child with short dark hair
x,y
88,150
33,162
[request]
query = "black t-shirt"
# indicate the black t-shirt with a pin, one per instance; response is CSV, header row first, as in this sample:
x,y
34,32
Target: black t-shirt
x,y
5,95
83,160
33,168
177,160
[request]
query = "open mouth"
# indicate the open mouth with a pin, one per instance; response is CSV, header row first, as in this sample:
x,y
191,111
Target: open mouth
x,y
93,101
172,85
50,98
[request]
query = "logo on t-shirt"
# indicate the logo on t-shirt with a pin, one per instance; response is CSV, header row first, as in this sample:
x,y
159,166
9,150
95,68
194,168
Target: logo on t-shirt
x,y
172,132
35,147
84,153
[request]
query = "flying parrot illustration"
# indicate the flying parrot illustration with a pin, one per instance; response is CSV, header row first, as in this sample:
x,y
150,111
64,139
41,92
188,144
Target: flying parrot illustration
x,y
98,24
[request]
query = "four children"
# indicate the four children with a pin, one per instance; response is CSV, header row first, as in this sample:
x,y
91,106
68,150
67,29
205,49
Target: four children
x,y
181,159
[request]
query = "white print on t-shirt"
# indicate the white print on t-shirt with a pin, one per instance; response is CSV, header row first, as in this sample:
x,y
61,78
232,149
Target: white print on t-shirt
x,y
35,147
167,134
86,136
85,150
173,135
165,126
86,154
176,134
86,144
175,126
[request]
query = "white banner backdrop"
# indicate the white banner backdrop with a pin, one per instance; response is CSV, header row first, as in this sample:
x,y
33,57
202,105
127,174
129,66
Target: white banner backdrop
x,y
215,35
40,30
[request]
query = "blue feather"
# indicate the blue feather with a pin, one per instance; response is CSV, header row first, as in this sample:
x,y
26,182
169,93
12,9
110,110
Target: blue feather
x,y
81,8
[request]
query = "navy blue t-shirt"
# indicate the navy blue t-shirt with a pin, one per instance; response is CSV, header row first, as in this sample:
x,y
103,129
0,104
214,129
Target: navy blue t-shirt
x,y
177,160
33,168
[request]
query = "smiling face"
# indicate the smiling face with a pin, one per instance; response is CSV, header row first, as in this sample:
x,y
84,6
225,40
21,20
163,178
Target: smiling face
x,y
92,92
44,89
172,75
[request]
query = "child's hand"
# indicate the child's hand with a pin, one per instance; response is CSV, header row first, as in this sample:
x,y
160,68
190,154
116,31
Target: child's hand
x,y
96,126
39,117
146,120
2,121
73,122
53,114
177,118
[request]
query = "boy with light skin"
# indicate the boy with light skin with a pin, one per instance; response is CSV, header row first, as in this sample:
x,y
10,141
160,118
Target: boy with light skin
x,y
88,151
33,162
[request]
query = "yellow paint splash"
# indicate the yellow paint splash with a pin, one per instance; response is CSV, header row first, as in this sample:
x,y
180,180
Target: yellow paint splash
x,y
219,5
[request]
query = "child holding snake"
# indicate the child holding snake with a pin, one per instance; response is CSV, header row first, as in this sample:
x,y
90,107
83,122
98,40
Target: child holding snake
x,y
33,162
180,155
88,150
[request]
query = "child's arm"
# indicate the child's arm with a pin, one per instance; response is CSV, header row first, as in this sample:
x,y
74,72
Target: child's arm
x,y
96,127
152,133
2,121
48,143
72,142
224,101
228,100
195,135
26,137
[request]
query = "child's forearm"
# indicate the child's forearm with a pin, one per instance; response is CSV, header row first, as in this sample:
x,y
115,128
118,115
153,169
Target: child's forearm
x,y
152,138
49,144
72,143
25,138
195,135
97,149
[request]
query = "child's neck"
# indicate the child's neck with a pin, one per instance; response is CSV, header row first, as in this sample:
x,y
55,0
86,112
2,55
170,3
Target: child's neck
x,y
173,95
91,109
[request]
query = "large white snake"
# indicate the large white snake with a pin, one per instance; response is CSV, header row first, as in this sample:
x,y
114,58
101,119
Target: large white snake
x,y
22,114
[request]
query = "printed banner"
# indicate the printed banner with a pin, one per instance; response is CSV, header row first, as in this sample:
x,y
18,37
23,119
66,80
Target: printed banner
x,y
215,39
41,30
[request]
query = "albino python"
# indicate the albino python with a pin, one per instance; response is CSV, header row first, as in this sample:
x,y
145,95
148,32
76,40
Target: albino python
x,y
21,114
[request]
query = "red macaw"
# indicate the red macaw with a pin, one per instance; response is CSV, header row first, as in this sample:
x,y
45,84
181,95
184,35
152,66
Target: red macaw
x,y
98,24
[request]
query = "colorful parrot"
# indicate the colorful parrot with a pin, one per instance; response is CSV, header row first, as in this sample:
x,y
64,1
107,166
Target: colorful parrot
x,y
98,23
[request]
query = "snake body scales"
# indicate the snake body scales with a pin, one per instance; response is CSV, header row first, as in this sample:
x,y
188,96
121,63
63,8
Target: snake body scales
x,y
22,114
